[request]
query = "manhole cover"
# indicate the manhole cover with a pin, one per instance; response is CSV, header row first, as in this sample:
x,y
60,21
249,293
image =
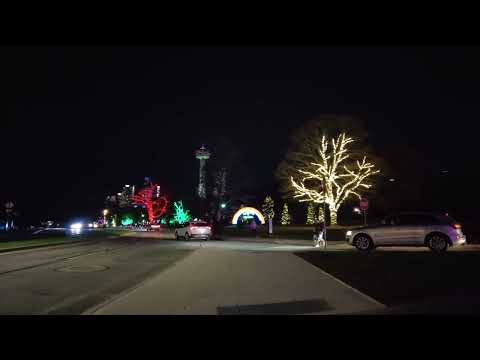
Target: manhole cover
x,y
83,268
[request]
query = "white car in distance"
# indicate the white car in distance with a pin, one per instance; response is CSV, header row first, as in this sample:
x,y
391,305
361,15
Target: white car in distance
x,y
194,230
436,231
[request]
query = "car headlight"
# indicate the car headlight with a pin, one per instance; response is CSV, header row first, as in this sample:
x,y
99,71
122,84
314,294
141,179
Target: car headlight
x,y
76,226
349,233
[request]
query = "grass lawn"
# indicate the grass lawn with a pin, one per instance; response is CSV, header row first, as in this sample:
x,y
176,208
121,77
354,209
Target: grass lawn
x,y
400,277
26,243
16,243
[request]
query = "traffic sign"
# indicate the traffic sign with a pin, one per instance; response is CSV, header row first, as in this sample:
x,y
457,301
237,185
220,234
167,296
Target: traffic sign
x,y
364,204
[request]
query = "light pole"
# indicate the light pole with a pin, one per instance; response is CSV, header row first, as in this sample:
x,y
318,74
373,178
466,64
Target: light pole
x,y
325,223
270,226
105,212
9,211
324,216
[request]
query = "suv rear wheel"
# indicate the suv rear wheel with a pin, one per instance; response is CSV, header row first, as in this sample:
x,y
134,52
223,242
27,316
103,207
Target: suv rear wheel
x,y
437,242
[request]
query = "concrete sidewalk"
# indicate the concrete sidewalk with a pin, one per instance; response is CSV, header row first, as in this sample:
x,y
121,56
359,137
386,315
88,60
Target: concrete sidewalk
x,y
331,245
208,281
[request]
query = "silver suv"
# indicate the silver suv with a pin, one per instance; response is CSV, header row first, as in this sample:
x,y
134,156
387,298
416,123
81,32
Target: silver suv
x,y
194,230
438,232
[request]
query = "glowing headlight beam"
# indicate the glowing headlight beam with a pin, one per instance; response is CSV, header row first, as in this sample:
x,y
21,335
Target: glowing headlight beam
x,y
76,226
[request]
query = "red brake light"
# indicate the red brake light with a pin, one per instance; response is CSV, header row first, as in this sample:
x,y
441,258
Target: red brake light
x,y
192,227
457,226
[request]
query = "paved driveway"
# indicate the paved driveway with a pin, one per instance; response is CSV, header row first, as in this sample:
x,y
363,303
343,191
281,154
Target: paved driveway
x,y
218,281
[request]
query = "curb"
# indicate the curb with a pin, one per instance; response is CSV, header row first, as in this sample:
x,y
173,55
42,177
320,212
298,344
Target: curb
x,y
365,296
293,242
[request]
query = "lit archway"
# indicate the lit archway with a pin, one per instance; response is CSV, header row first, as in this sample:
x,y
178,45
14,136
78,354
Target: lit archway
x,y
247,211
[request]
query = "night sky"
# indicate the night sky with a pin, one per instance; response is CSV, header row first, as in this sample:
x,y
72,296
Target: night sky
x,y
81,121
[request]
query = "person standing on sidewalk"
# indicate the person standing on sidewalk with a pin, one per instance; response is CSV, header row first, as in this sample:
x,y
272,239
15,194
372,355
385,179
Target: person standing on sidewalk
x,y
318,234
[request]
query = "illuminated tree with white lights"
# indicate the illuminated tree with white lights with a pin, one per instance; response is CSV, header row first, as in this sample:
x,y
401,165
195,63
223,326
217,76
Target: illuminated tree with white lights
x,y
286,219
311,213
268,207
321,215
329,179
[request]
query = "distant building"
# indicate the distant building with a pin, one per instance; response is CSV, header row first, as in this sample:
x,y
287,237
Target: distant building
x,y
123,198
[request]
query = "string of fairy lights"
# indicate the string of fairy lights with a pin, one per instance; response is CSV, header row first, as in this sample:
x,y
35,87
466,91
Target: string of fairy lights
x,y
338,180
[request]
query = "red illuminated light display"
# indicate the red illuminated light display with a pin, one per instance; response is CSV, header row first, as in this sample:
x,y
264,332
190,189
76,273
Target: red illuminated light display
x,y
155,204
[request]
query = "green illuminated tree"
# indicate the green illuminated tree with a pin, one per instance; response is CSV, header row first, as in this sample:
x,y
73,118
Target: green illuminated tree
x,y
268,207
127,220
286,219
311,213
181,215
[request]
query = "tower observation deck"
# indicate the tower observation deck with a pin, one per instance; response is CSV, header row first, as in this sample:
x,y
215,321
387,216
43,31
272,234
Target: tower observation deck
x,y
202,155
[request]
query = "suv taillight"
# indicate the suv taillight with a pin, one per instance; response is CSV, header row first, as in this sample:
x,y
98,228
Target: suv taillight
x,y
193,227
457,226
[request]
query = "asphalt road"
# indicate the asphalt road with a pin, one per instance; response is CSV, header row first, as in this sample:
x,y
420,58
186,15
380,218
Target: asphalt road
x,y
71,279
68,279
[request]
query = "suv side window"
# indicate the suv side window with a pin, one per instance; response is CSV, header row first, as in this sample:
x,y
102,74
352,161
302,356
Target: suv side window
x,y
391,220
420,219
432,220
407,220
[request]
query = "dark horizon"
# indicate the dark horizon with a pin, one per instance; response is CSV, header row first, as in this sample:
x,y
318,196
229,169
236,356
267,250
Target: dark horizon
x,y
82,121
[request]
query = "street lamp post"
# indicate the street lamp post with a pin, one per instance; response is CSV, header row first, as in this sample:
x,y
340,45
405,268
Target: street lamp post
x,y
324,217
270,226
105,212
9,211
325,223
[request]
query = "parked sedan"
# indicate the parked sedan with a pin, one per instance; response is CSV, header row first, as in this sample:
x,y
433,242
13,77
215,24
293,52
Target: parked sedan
x,y
194,230
438,232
